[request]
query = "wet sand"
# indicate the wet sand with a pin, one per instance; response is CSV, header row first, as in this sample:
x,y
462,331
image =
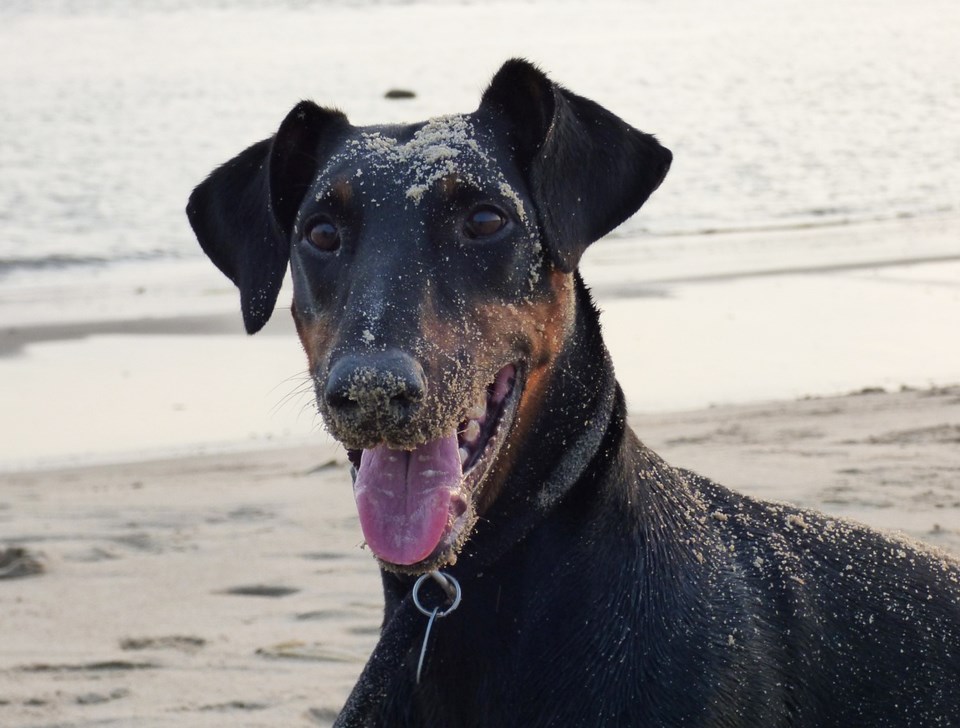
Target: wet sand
x,y
233,588
103,373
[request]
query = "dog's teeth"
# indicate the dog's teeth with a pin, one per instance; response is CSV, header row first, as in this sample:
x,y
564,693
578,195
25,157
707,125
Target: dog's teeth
x,y
464,455
477,411
471,432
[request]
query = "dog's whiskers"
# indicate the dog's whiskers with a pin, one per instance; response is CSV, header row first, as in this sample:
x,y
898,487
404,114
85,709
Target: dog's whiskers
x,y
303,387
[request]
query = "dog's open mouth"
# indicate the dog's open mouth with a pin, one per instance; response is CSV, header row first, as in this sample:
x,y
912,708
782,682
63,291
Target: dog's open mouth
x,y
419,505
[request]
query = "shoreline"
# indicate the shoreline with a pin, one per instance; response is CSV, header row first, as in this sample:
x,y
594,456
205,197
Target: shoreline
x,y
153,359
622,265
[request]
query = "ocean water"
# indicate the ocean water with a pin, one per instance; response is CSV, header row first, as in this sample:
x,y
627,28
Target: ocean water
x,y
780,115
807,134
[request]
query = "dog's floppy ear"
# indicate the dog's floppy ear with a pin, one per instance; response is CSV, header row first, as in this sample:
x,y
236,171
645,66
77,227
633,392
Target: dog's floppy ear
x,y
231,218
588,170
243,212
304,139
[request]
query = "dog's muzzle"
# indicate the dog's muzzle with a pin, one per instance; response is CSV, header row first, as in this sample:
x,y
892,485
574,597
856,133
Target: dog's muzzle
x,y
371,396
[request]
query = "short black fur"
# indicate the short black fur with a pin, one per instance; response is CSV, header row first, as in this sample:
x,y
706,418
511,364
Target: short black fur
x,y
602,587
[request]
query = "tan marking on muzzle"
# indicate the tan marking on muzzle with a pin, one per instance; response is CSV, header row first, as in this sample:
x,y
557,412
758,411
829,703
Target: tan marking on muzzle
x,y
316,337
540,329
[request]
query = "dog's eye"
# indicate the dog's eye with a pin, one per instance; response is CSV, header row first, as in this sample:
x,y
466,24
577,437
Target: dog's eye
x,y
324,235
484,222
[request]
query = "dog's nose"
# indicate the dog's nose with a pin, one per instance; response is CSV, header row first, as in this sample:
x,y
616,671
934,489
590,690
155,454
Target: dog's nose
x,y
378,390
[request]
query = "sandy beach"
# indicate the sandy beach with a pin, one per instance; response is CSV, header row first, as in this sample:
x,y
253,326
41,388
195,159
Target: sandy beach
x,y
179,545
233,588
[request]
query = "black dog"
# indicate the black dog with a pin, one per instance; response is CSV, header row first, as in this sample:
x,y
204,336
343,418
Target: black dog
x,y
458,357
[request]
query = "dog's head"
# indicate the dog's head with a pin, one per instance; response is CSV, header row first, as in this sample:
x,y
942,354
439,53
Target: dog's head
x,y
433,281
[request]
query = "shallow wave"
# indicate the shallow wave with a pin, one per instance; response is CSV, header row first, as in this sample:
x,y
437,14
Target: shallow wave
x,y
59,262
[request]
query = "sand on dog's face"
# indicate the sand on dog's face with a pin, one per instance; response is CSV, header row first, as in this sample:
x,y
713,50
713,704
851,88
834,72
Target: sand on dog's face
x,y
445,146
477,316
409,269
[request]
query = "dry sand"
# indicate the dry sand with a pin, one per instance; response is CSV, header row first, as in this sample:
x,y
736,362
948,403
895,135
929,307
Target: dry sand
x,y
233,589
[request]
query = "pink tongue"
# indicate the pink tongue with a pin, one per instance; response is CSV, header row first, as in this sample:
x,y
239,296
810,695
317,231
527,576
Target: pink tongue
x,y
403,498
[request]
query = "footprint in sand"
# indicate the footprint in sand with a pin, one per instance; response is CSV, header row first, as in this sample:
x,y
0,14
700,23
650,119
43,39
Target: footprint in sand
x,y
17,562
172,642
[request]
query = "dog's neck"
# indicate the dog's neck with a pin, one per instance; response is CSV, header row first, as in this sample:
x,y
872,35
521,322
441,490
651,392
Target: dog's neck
x,y
587,418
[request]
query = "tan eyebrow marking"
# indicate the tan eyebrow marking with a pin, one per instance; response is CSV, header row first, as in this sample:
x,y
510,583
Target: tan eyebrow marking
x,y
342,191
449,184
